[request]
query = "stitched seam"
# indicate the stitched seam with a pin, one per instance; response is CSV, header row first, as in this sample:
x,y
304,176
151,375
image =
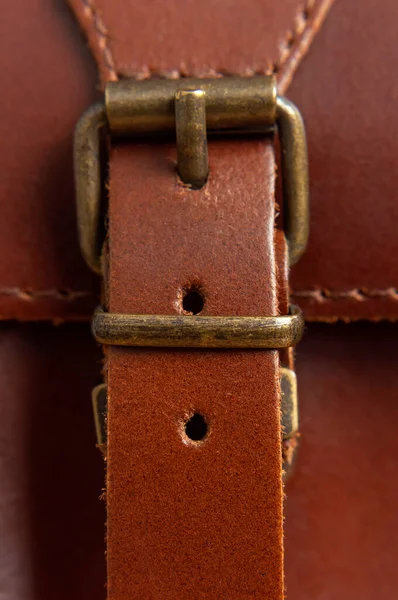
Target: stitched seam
x,y
30,295
303,21
90,12
308,21
356,294
147,73
320,295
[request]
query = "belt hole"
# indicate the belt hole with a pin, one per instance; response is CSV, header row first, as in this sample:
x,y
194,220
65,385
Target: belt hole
x,y
193,301
196,428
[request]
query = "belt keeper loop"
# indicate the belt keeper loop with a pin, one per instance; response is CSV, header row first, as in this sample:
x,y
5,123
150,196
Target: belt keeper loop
x,y
198,331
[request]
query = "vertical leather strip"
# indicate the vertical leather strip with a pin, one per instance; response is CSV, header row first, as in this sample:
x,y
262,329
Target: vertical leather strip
x,y
186,519
213,38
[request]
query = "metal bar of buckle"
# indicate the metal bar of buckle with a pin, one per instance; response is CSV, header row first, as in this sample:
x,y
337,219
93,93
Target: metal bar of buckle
x,y
87,169
198,331
231,103
294,176
192,159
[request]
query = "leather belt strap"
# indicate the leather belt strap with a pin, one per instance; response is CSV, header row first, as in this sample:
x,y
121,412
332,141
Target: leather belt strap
x,y
186,518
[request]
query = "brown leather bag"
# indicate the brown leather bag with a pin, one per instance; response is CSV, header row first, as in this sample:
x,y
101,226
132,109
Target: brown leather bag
x,y
206,494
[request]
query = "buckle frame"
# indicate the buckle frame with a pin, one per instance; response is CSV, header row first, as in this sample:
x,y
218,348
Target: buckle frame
x,y
178,331
191,107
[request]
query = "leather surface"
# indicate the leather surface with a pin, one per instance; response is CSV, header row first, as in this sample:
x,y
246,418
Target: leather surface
x,y
350,269
341,506
48,79
51,517
341,518
353,560
164,239
184,518
207,41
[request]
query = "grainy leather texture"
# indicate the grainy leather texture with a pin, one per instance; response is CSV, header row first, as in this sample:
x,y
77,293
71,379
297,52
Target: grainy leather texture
x,y
203,520
341,501
349,271
340,509
163,239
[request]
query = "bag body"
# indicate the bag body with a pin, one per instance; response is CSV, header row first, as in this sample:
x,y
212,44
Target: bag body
x,y
340,497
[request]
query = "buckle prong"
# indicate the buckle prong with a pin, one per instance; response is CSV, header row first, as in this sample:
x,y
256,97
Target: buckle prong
x,y
191,135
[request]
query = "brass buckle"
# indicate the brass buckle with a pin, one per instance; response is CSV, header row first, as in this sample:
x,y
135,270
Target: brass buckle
x,y
183,331
191,108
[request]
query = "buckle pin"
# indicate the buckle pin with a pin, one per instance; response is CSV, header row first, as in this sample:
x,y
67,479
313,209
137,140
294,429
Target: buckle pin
x,y
192,159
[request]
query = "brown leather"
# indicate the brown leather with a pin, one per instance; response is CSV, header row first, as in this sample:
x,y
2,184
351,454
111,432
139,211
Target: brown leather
x,y
160,486
183,519
341,518
51,517
349,271
210,40
48,79
201,246
353,560
347,93
341,507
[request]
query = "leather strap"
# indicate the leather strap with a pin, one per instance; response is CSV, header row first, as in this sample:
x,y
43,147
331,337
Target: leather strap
x,y
193,519
186,519
179,39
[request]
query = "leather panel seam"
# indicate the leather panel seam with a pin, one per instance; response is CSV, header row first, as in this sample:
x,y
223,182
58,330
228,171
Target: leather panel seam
x,y
29,295
92,15
302,21
307,21
355,294
318,295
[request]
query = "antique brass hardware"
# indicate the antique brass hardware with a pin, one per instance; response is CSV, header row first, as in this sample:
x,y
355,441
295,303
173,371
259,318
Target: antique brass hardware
x,y
198,331
192,159
99,402
185,106
138,107
87,168
289,420
289,403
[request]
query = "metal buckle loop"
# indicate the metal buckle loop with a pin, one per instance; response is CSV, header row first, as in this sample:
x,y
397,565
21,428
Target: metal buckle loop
x,y
198,332
191,108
